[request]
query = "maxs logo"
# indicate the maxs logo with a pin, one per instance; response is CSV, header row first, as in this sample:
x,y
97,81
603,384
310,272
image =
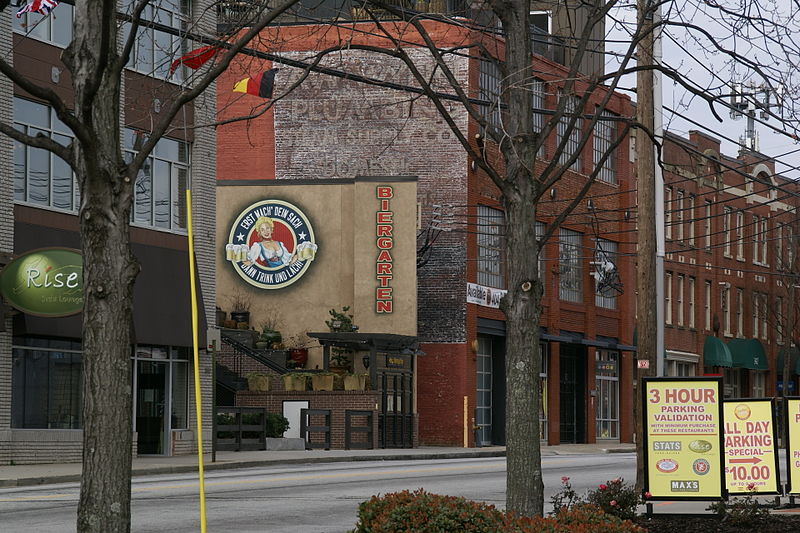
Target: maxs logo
x,y
684,486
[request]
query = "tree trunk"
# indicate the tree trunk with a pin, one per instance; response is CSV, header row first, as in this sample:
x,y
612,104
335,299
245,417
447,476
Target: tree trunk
x,y
522,303
109,272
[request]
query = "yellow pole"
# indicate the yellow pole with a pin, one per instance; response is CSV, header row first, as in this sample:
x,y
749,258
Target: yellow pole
x,y
466,422
198,397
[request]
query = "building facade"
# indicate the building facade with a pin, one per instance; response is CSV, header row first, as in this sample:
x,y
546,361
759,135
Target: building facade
x,y
730,227
41,358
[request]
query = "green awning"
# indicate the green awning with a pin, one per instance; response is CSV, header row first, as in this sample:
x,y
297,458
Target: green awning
x,y
795,361
716,353
748,353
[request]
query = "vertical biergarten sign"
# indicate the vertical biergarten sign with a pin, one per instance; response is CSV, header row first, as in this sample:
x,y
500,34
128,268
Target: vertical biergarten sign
x,y
384,240
683,435
751,453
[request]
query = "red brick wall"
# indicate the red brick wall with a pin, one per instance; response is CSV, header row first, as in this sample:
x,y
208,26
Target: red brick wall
x,y
442,384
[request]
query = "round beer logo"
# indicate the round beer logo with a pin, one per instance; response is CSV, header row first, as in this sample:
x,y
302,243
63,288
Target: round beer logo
x,y
271,244
701,467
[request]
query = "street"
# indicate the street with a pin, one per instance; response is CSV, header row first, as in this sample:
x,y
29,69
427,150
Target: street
x,y
314,498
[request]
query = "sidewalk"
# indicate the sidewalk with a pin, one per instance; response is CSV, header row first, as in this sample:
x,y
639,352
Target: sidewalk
x,y
26,475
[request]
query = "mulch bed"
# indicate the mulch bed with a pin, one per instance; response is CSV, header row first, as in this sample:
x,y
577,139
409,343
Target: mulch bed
x,y
775,523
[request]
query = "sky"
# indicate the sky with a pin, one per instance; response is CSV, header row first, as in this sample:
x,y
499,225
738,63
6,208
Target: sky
x,y
770,47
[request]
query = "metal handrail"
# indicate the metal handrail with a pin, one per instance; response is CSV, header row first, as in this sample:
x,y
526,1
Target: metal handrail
x,y
253,354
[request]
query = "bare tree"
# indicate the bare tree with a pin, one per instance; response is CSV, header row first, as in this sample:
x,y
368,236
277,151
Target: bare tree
x,y
96,63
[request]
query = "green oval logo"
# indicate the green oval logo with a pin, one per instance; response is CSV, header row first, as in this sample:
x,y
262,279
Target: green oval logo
x,y
45,282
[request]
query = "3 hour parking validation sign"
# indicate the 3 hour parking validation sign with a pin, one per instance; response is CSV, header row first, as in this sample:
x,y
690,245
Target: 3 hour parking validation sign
x,y
751,453
683,438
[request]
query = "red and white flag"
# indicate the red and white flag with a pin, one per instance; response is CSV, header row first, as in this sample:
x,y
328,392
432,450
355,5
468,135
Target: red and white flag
x,y
43,7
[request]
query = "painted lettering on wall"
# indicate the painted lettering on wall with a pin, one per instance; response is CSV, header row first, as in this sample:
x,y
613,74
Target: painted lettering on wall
x,y
384,240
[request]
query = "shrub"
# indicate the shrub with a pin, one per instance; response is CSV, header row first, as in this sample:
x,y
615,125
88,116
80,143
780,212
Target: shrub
x,y
616,498
276,425
565,498
422,512
742,511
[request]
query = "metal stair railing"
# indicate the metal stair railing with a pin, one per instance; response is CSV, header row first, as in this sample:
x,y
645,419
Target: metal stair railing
x,y
242,349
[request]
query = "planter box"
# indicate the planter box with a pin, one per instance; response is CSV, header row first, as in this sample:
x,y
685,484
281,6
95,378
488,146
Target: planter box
x,y
284,444
322,382
294,383
259,383
355,382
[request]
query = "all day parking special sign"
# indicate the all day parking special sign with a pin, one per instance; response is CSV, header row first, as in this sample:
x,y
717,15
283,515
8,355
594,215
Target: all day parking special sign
x,y
751,455
683,438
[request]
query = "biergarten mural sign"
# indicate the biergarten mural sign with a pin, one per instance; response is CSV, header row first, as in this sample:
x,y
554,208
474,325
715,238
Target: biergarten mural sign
x,y
683,438
271,244
46,282
751,455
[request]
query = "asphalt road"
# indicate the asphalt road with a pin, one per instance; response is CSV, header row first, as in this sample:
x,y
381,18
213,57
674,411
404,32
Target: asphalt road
x,y
318,498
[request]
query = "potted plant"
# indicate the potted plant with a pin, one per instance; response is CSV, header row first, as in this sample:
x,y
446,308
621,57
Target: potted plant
x,y
295,381
355,381
322,381
340,322
297,350
269,339
258,382
240,309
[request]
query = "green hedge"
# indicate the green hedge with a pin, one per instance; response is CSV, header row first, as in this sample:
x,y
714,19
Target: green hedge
x,y
422,512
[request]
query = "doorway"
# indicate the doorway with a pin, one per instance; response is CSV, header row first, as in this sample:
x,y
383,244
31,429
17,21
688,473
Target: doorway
x,y
151,396
572,374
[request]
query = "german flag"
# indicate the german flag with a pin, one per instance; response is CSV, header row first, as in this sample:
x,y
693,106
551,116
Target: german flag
x,y
261,85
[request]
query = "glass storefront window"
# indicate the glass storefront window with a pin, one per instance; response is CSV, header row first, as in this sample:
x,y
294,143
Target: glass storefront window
x,y
607,386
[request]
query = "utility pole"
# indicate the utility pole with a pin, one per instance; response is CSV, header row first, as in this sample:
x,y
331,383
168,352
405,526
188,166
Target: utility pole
x,y
646,308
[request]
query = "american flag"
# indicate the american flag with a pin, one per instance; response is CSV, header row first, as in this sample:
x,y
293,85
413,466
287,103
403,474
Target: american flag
x,y
43,7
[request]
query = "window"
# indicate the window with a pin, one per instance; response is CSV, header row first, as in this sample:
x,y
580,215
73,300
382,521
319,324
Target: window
x,y
570,286
573,135
740,236
668,213
779,248
691,219
56,29
739,313
707,304
40,177
755,315
726,231
607,385
537,103
159,189
691,302
764,230
154,50
732,383
539,228
668,298
707,227
606,274
677,368
681,283
490,247
779,321
543,392
759,384
763,314
604,130
726,309
756,240
679,215
489,90
47,384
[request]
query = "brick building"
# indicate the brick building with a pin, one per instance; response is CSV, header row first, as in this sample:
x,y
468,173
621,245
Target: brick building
x,y
730,226
331,128
40,358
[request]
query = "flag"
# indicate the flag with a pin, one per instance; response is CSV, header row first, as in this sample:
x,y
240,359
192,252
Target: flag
x,y
195,59
261,85
43,7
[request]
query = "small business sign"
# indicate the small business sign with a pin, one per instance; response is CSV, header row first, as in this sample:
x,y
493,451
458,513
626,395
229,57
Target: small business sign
x,y
609,367
751,454
792,410
45,282
485,296
683,438
643,363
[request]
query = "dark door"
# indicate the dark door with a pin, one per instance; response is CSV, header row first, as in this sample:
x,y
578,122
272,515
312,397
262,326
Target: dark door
x,y
573,386
151,395
395,375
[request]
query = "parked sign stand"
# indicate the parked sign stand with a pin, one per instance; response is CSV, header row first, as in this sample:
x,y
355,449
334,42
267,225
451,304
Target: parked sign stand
x,y
792,420
683,439
751,453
